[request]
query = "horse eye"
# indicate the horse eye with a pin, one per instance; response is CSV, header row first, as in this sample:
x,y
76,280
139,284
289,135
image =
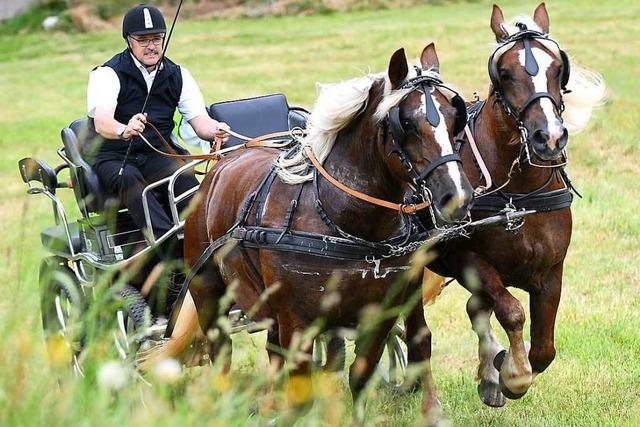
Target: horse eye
x,y
505,75
407,124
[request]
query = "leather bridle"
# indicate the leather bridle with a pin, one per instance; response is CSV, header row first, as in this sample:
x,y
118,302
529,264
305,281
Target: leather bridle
x,y
426,84
526,36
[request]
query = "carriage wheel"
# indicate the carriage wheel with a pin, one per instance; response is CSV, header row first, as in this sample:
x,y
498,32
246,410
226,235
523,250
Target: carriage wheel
x,y
133,320
329,353
61,303
392,366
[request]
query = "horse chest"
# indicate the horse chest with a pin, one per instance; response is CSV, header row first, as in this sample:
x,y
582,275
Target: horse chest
x,y
525,257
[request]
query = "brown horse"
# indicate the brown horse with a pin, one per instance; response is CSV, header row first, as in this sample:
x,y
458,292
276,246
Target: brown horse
x,y
521,135
384,136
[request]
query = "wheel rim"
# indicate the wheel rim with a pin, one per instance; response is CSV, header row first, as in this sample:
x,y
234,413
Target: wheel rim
x,y
58,316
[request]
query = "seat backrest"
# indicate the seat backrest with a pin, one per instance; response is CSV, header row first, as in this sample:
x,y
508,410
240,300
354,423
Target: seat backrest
x,y
253,117
86,184
298,117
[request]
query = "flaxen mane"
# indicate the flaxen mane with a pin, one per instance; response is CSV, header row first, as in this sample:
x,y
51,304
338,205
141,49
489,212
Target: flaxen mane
x,y
336,106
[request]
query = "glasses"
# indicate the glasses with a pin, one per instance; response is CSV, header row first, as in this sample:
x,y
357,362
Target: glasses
x,y
157,41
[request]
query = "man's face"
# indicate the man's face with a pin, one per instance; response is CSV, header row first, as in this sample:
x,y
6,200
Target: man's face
x,y
148,48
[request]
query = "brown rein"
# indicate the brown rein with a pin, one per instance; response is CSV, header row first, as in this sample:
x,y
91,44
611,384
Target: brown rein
x,y
260,141
409,209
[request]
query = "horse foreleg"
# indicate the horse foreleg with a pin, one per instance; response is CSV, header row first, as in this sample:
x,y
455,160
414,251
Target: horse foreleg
x,y
515,370
298,388
369,348
276,360
419,351
479,311
543,308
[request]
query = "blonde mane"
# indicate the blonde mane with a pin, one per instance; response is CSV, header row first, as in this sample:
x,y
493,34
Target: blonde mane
x,y
336,106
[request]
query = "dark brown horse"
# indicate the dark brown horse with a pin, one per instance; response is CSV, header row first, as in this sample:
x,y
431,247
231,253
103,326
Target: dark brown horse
x,y
363,143
521,134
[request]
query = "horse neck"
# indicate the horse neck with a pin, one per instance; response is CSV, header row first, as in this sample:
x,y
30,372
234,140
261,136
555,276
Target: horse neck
x,y
357,161
498,141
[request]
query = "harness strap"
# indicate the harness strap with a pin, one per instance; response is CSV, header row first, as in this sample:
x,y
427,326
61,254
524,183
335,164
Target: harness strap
x,y
488,183
542,202
533,97
442,160
260,141
208,252
358,195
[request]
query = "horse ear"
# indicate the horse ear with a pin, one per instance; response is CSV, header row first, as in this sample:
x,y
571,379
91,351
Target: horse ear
x,y
398,68
497,19
541,17
429,58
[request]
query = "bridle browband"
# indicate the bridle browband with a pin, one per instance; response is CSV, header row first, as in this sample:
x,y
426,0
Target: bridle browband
x,y
531,66
427,84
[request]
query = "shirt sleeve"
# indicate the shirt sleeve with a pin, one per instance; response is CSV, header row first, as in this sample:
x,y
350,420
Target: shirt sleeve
x,y
102,90
191,103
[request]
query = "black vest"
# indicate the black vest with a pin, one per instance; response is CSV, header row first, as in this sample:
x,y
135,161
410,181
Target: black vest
x,y
161,106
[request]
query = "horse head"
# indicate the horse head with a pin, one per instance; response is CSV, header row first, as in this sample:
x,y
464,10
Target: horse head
x,y
529,73
423,115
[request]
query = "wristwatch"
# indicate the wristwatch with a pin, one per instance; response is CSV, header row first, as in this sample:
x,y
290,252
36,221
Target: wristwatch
x,y
121,130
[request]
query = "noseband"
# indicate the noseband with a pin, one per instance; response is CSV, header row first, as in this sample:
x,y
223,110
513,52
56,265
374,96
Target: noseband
x,y
426,84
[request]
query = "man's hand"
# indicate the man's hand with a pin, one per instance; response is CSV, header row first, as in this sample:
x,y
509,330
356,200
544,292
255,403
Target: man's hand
x,y
221,132
135,126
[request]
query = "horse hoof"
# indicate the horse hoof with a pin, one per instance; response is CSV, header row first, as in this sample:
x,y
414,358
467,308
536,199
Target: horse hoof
x,y
508,393
409,387
439,421
498,360
491,395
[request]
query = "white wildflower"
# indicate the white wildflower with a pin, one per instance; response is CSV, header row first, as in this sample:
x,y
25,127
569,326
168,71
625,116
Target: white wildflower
x,y
167,371
113,376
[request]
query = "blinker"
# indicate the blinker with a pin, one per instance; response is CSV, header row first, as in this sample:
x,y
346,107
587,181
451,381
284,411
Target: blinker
x,y
530,63
431,111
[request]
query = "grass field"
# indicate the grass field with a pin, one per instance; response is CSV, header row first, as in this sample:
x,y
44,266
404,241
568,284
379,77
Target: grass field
x,y
595,379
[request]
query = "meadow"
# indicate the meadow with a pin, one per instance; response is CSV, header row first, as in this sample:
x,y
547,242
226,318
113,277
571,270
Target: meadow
x,y
595,378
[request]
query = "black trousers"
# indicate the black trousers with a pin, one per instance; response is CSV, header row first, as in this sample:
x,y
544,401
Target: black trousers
x,y
141,170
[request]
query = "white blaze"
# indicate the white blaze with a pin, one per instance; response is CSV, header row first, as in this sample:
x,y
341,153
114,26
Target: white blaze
x,y
441,134
544,60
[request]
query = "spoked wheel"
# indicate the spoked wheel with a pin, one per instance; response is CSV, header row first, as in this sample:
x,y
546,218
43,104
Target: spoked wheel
x,y
134,323
329,353
61,303
392,366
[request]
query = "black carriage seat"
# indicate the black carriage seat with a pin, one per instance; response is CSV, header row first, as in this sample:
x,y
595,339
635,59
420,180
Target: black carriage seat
x,y
86,186
253,117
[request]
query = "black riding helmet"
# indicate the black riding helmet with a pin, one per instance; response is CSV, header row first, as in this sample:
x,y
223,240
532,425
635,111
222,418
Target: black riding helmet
x,y
143,19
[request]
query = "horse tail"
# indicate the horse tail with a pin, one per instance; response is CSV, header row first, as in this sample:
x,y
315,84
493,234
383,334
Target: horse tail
x,y
587,90
185,330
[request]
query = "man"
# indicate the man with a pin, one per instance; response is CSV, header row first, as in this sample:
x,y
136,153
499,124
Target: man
x,y
115,101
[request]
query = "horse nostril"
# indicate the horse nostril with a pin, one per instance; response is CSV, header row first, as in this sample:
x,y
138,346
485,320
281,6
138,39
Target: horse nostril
x,y
445,200
562,141
540,137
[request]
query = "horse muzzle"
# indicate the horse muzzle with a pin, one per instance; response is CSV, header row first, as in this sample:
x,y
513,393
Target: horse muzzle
x,y
548,147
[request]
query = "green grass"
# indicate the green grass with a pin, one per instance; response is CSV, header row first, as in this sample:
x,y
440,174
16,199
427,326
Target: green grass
x,y
595,379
